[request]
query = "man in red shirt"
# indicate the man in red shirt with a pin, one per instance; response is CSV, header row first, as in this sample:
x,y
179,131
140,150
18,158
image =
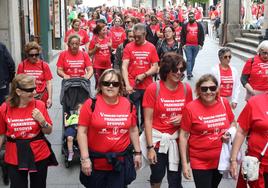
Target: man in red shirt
x,y
192,40
139,64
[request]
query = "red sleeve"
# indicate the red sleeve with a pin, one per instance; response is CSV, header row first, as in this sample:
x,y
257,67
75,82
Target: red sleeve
x,y
134,117
85,38
154,55
126,53
149,97
247,67
47,72
85,114
3,125
229,111
87,60
60,61
42,107
20,68
92,43
189,95
186,121
245,119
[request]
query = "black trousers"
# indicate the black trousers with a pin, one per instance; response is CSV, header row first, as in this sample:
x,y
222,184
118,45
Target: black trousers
x,y
158,171
19,178
3,94
206,178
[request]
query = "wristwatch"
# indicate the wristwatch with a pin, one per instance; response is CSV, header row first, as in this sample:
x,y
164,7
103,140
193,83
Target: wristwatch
x,y
45,125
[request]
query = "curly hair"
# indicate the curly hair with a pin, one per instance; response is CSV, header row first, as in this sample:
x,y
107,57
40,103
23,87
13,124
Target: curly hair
x,y
32,45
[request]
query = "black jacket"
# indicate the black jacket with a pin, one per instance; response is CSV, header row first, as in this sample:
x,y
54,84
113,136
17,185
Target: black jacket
x,y
152,38
201,36
7,66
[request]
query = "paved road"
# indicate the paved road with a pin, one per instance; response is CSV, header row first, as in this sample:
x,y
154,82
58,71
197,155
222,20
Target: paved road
x,y
60,177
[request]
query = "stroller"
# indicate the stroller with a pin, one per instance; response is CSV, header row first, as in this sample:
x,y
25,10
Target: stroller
x,y
73,91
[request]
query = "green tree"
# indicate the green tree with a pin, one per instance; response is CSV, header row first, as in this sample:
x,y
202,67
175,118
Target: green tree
x,y
198,1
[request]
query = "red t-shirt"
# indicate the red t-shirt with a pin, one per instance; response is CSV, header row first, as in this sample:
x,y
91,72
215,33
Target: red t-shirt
x,y
206,125
155,28
258,71
213,14
40,70
166,105
18,123
108,127
254,118
102,57
192,34
140,59
82,33
178,33
226,87
118,35
91,25
83,23
74,65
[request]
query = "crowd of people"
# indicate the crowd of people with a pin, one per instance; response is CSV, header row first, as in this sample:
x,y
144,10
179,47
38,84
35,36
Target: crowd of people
x,y
143,112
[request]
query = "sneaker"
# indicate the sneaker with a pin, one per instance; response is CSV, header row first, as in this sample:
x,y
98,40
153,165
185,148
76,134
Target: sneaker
x,y
189,77
70,156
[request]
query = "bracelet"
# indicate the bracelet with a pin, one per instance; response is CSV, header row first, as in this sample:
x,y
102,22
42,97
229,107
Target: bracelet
x,y
150,147
45,125
137,153
84,160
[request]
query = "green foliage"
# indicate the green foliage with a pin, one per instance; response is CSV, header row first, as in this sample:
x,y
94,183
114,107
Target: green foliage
x,y
198,1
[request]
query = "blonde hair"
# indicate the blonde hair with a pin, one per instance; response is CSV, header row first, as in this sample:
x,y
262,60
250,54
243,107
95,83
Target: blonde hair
x,y
20,80
32,45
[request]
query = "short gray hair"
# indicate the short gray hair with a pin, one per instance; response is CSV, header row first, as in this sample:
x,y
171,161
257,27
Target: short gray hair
x,y
262,45
139,27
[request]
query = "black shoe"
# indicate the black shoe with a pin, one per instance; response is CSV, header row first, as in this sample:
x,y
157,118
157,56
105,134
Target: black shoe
x,y
188,77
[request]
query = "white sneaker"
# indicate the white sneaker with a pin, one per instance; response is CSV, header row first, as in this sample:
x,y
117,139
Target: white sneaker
x,y
70,156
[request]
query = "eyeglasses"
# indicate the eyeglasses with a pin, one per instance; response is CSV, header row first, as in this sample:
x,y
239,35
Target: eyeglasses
x,y
227,56
33,55
264,53
181,69
205,88
128,22
108,84
28,90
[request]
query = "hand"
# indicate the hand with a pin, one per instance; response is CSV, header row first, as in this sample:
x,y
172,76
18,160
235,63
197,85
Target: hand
x,y
233,105
226,137
139,78
186,171
184,47
233,170
176,120
152,157
38,116
86,167
137,161
49,103
200,47
66,76
86,76
129,89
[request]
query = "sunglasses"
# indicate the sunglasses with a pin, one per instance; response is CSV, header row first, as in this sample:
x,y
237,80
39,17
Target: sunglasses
x,y
28,90
205,88
127,22
227,56
175,70
264,53
108,84
33,55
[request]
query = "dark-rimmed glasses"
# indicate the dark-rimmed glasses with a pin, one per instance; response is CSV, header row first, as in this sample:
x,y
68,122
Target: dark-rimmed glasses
x,y
205,89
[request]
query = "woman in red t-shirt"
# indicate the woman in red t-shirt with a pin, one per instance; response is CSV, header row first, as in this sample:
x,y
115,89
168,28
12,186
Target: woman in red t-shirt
x,y
117,33
81,17
111,121
163,102
24,121
92,23
255,72
39,69
100,50
74,63
203,129
84,39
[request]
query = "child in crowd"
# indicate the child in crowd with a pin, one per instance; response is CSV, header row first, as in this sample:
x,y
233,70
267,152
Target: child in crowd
x,y
71,130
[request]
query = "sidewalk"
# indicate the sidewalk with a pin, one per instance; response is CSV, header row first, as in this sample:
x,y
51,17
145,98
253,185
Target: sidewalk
x,y
60,177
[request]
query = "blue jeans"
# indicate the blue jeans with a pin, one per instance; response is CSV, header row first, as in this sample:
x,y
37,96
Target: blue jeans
x,y
191,53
